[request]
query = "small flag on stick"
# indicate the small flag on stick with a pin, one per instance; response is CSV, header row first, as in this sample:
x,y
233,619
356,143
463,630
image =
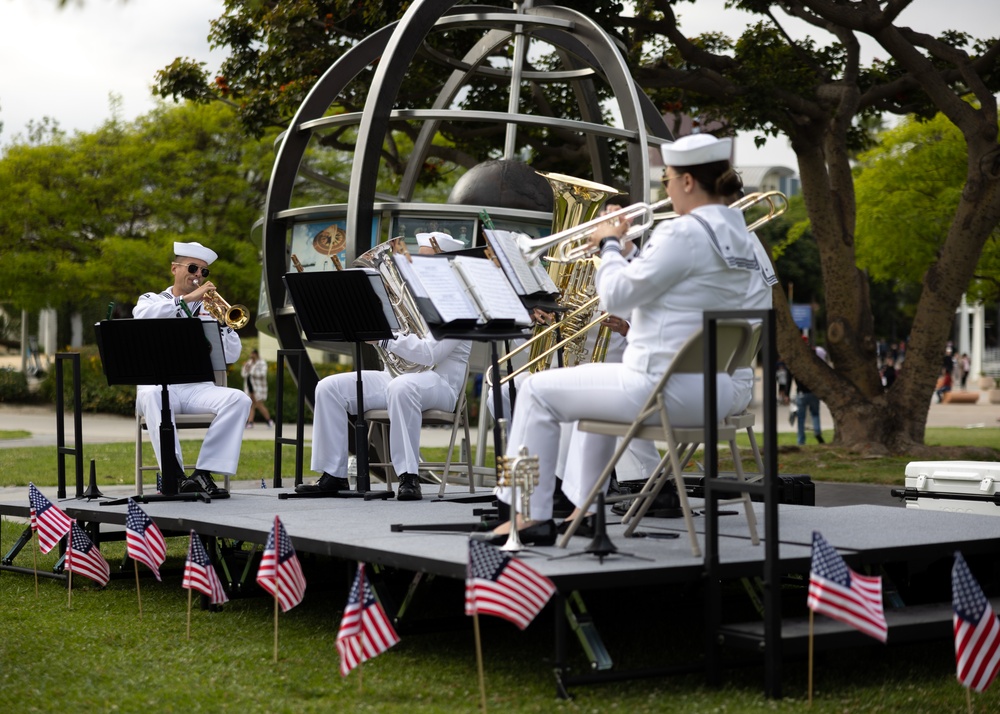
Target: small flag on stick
x,y
977,631
47,520
84,558
144,541
838,592
280,572
499,585
365,631
200,575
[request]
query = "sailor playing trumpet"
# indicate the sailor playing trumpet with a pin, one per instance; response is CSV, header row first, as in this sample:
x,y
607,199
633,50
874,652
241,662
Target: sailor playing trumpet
x,y
220,451
704,259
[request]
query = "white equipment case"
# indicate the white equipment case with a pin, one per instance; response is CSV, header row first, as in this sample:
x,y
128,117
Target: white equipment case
x,y
954,486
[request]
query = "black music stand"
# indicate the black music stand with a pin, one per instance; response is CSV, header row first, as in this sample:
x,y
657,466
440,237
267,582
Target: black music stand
x,y
345,306
161,351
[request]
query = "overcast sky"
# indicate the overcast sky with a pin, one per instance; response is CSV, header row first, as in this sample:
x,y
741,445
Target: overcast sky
x,y
65,63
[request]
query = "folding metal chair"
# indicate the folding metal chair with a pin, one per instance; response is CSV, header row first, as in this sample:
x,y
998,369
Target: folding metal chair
x,y
181,421
746,419
653,422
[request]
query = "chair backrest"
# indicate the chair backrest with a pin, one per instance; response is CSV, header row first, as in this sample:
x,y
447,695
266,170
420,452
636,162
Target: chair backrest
x,y
732,340
746,357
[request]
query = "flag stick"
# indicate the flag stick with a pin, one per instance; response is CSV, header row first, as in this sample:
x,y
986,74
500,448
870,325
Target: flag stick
x,y
968,699
810,657
69,556
34,563
138,593
361,662
189,615
276,625
479,661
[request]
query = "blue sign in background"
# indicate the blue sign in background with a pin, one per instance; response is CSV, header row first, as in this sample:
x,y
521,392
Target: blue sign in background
x,y
802,314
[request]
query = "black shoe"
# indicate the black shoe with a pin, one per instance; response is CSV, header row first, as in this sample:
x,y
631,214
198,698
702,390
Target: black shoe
x,y
201,482
585,529
409,488
561,505
326,484
543,533
819,439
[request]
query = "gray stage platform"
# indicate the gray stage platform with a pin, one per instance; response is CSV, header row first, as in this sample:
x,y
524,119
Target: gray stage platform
x,y
354,529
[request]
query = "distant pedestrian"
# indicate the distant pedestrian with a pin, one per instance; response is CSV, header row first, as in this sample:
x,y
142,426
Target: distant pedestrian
x,y
254,373
888,372
943,385
806,400
964,365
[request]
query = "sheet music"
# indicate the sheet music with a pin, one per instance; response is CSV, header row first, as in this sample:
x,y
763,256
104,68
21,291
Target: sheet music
x,y
433,278
379,287
512,261
544,279
491,289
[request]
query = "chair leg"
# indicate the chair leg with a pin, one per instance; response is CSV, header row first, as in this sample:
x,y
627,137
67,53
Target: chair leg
x,y
138,457
756,454
447,462
747,503
675,468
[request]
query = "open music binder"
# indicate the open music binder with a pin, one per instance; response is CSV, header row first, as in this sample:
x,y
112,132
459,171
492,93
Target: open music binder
x,y
462,293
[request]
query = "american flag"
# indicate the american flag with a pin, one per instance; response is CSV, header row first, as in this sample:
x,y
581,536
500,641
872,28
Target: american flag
x,y
143,539
47,520
84,558
365,631
200,575
497,584
280,572
977,632
838,592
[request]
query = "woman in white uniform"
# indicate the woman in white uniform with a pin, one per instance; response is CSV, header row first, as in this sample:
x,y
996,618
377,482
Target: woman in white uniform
x,y
703,260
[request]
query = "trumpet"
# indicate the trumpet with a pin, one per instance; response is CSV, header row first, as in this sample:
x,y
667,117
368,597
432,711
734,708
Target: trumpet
x,y
234,316
573,244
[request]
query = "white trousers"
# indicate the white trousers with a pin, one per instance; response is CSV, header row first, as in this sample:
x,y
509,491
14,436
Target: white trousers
x,y
405,397
614,392
220,451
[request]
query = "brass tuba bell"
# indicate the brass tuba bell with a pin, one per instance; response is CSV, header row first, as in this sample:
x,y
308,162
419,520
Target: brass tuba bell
x,y
234,316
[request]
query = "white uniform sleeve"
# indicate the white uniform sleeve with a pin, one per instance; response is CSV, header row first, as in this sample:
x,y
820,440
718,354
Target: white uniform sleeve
x,y
426,351
153,305
663,262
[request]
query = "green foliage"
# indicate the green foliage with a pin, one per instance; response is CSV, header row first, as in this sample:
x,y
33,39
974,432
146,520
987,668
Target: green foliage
x,y
93,218
908,190
14,387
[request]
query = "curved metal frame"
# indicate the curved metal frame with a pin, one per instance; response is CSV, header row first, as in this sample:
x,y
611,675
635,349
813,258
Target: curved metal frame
x,y
586,51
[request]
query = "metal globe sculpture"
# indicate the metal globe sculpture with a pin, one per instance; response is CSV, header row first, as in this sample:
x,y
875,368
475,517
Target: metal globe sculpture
x,y
324,202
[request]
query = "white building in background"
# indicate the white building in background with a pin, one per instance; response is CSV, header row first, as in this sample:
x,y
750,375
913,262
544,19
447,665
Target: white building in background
x,y
770,178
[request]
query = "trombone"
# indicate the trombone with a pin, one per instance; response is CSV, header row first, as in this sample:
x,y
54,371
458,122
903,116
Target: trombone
x,y
572,244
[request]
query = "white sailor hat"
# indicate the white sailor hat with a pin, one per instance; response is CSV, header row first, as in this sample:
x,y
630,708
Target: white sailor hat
x,y
696,149
445,242
195,250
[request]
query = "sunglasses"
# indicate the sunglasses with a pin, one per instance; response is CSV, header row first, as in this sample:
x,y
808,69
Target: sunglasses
x,y
194,268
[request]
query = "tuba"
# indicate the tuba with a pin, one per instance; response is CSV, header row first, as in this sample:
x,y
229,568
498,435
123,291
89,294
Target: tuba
x,y
575,201
410,320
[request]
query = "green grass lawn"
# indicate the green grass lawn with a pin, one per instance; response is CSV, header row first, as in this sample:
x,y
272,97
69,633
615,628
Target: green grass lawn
x,y
115,463
100,656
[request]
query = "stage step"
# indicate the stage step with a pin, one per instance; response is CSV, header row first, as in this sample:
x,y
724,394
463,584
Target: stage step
x,y
914,623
